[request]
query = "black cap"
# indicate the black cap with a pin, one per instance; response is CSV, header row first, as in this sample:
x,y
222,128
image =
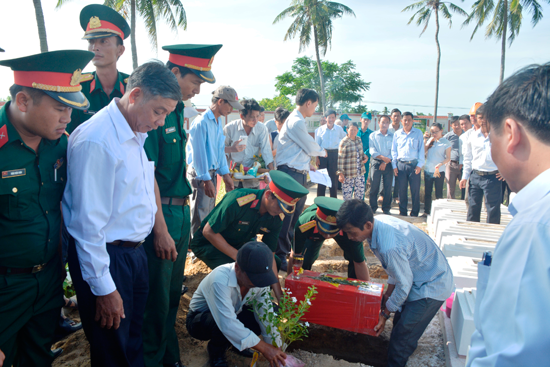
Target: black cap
x,y
256,260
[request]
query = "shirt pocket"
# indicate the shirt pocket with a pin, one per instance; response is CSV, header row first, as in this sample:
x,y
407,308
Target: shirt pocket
x,y
173,150
16,198
412,144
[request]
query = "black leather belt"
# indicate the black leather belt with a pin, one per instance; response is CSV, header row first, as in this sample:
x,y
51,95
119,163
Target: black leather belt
x,y
175,201
303,172
126,243
485,173
35,269
455,161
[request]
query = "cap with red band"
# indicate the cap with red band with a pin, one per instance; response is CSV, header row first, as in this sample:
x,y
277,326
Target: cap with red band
x,y
198,58
56,73
99,21
287,190
326,214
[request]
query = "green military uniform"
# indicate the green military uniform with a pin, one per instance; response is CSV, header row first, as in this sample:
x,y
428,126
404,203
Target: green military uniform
x,y
31,188
93,90
238,220
166,147
308,239
99,21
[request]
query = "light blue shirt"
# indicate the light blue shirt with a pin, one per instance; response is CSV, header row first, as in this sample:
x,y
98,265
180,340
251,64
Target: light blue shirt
x,y
271,125
513,294
412,260
380,144
296,146
206,146
329,138
437,154
408,147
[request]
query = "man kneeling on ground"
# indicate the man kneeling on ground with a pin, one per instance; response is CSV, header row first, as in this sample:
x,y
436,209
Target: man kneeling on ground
x,y
419,277
220,310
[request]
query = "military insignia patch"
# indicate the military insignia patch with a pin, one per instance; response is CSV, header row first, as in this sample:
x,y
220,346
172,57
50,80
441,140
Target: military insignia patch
x,y
282,216
58,163
246,199
265,230
95,22
170,130
75,79
86,77
3,135
307,226
14,173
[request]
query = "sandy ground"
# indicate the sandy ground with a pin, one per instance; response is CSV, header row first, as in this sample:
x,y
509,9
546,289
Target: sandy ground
x,y
193,352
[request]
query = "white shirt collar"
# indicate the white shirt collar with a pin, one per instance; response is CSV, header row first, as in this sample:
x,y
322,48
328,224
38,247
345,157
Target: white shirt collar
x,y
531,194
124,132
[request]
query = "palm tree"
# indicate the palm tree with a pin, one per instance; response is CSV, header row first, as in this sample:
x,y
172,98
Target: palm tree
x,y
41,25
152,11
425,10
316,16
506,14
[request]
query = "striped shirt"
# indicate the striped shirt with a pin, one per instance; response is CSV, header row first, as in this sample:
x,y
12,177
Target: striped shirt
x,y
412,260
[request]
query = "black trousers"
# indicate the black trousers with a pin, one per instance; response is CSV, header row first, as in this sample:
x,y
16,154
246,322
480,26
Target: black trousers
x,y
287,230
202,326
429,182
331,164
122,347
386,177
484,186
407,176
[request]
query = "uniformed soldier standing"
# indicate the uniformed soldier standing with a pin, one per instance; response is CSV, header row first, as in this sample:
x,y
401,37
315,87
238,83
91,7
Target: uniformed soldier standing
x,y
318,223
166,246
33,154
105,31
241,215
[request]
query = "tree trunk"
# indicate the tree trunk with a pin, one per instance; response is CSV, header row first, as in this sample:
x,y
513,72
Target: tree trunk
x,y
320,68
504,33
438,62
133,26
41,25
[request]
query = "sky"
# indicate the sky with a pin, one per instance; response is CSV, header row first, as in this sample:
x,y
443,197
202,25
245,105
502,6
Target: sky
x,y
387,52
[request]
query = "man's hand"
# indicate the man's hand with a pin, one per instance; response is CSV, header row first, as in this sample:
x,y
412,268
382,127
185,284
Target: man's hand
x,y
382,166
417,170
341,177
395,172
460,166
237,146
209,189
500,178
312,167
229,185
317,161
462,183
2,357
165,247
326,153
365,159
109,310
275,356
381,325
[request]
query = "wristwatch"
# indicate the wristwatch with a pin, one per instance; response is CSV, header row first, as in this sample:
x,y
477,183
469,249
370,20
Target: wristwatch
x,y
386,316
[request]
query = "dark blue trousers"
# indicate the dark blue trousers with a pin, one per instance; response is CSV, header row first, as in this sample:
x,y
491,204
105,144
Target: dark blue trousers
x,y
408,327
108,347
386,177
406,177
490,187
429,182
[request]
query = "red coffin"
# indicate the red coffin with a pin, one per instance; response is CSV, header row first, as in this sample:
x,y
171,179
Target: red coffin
x,y
339,306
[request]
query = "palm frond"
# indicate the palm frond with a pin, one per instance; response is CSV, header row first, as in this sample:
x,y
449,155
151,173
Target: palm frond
x,y
415,6
290,11
60,3
146,10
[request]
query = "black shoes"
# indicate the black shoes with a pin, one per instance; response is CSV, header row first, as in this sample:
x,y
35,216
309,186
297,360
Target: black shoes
x,y
57,352
247,353
387,212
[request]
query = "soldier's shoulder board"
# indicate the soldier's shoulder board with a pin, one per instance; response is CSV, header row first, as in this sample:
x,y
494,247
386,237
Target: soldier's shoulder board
x,y
243,200
307,226
126,80
86,77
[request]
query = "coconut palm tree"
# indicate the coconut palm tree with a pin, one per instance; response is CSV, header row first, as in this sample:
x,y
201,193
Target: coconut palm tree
x,y
41,25
313,16
151,11
425,10
506,18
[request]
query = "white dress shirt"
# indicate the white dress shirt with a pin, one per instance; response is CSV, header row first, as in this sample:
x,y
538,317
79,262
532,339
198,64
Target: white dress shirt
x,y
296,146
110,192
257,142
462,144
329,138
220,293
477,154
271,125
513,294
